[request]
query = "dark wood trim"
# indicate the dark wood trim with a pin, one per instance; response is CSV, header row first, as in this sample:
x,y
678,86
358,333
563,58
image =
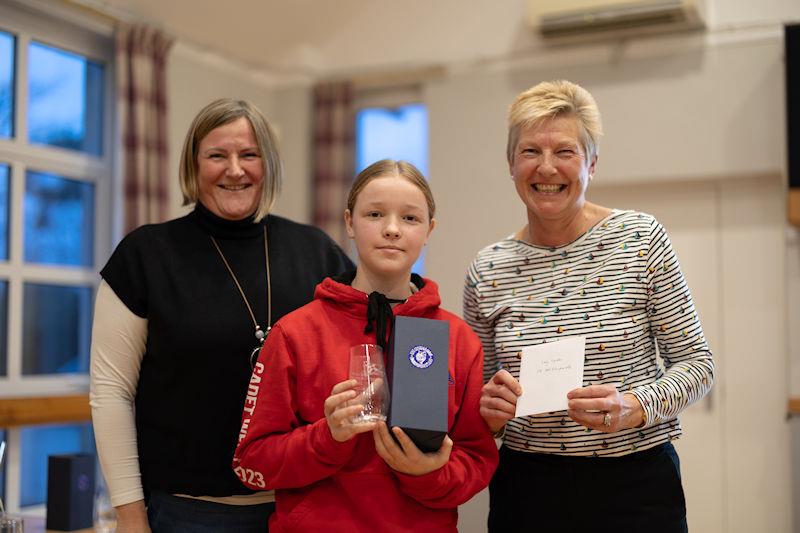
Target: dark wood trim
x,y
794,405
36,524
794,206
44,410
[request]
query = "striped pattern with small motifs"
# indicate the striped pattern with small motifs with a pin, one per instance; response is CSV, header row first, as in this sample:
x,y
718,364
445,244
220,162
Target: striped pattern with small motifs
x,y
620,286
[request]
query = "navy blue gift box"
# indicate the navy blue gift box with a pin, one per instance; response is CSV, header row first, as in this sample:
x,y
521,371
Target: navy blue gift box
x,y
417,371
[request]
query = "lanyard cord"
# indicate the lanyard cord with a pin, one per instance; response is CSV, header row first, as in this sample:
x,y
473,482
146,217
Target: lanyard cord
x,y
260,335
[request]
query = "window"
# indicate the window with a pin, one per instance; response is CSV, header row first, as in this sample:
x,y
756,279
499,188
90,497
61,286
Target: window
x,y
4,205
3,328
399,132
55,183
37,444
65,93
56,324
396,133
59,220
6,83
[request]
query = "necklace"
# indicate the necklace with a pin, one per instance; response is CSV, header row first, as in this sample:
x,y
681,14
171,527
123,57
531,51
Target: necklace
x,y
260,334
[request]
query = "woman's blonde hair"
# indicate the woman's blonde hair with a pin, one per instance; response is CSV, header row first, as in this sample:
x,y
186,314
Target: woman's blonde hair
x,y
551,99
216,114
390,167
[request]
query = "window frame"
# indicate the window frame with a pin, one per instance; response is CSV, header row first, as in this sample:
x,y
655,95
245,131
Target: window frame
x,y
72,30
20,155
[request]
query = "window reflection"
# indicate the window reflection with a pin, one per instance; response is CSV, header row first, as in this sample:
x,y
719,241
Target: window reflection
x,y
65,95
6,84
59,220
39,442
56,323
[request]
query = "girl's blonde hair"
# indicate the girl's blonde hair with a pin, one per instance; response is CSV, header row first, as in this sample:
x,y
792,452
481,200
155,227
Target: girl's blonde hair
x,y
385,167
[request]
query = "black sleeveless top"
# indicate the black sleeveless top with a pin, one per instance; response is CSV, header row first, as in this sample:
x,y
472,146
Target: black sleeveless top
x,y
196,369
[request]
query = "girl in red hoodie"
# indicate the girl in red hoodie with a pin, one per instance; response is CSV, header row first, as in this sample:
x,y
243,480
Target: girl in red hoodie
x,y
296,436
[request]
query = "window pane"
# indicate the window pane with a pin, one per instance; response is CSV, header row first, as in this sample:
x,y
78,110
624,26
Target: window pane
x,y
3,328
36,444
397,133
6,84
59,220
56,323
4,174
65,97
394,133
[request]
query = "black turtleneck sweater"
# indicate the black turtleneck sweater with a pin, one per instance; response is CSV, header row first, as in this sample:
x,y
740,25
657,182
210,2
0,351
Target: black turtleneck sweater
x,y
195,370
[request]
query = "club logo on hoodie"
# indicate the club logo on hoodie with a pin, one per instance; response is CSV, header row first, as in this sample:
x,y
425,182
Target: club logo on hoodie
x,y
420,356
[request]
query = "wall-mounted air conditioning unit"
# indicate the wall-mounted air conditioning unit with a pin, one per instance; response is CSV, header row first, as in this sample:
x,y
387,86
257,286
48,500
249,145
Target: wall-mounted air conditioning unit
x,y
568,18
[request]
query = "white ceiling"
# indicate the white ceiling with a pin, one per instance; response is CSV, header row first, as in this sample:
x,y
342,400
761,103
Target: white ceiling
x,y
319,38
324,37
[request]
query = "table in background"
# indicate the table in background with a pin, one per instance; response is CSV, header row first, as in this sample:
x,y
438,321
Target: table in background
x,y
35,524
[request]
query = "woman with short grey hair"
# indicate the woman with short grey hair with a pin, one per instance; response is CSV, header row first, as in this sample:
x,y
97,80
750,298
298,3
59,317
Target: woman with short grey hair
x,y
609,279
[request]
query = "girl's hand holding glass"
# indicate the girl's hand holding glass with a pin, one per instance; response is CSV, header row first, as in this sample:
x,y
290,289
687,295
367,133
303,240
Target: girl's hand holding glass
x,y
340,414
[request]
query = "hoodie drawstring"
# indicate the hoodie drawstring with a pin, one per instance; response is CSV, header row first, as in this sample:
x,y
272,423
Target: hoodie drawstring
x,y
380,317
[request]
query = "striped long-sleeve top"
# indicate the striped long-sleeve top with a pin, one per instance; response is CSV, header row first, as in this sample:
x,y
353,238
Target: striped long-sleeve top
x,y
620,286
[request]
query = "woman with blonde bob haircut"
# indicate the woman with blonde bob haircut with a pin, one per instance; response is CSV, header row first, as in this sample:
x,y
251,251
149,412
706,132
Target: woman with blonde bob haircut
x,y
609,281
214,115
182,308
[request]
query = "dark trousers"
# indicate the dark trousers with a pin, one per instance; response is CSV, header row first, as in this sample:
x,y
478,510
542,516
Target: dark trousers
x,y
640,492
173,514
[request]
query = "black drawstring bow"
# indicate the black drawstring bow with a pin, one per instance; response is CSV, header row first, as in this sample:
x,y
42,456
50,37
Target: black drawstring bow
x,y
380,317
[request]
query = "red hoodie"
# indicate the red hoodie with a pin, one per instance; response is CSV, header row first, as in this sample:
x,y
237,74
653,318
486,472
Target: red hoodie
x,y
325,485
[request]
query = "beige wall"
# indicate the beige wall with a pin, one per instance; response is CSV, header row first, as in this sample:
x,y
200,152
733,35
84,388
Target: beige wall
x,y
293,119
697,112
726,232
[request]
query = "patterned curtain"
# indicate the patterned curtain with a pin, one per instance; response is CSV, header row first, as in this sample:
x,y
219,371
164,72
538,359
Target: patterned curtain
x,y
142,100
334,155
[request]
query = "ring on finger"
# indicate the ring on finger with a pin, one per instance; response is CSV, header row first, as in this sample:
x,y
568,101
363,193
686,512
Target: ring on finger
x,y
607,419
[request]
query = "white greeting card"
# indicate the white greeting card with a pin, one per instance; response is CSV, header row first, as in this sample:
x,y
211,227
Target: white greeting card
x,y
548,372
